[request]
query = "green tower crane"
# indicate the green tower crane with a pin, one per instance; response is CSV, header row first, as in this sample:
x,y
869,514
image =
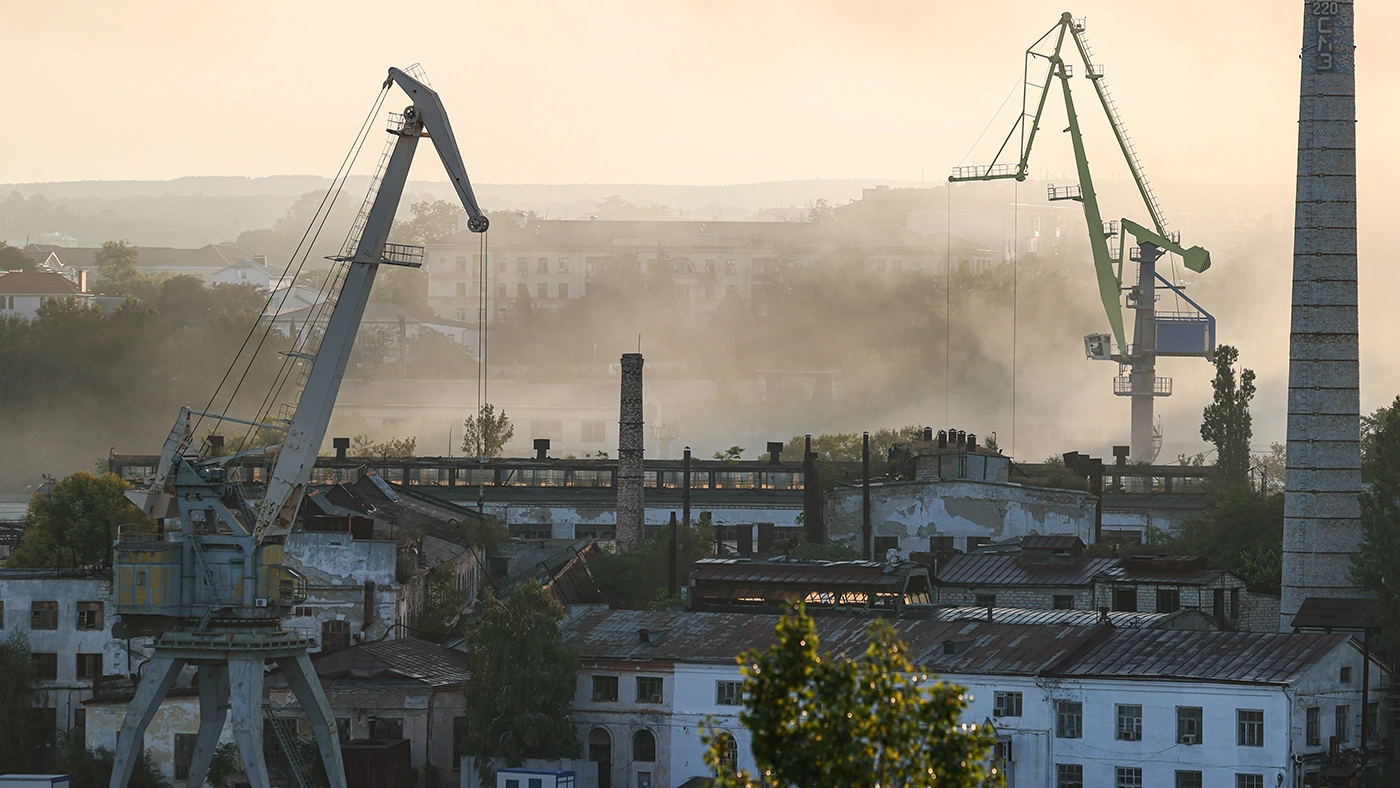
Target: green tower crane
x,y
1155,333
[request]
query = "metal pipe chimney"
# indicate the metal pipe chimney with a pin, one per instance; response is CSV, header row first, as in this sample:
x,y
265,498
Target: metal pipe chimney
x,y
1322,518
630,449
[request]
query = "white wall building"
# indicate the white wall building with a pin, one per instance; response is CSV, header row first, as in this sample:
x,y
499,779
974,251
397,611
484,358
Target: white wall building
x,y
22,293
1073,707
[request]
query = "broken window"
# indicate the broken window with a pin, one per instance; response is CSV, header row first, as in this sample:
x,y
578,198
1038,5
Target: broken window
x,y
1007,704
90,615
563,265
43,615
89,666
45,666
335,635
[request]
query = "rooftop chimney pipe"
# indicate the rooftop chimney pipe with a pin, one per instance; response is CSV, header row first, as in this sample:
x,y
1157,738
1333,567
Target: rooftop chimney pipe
x,y
971,441
541,448
630,449
216,445
342,445
942,439
962,439
928,434
775,452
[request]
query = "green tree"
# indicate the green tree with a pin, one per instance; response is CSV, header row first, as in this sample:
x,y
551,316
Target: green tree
x,y
1377,566
730,454
92,768
1239,531
362,446
69,526
13,258
432,219
521,679
1371,426
19,690
637,579
116,270
1226,421
487,433
442,605
825,720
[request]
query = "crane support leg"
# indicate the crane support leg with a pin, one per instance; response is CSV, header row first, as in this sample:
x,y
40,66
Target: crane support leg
x,y
161,673
245,702
301,677
213,710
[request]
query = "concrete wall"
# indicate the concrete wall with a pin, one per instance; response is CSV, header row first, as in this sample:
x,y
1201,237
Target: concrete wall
x,y
914,511
564,521
337,568
179,714
1023,597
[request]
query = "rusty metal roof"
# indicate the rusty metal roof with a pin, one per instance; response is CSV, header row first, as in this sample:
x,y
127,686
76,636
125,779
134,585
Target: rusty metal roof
x,y
409,659
608,635
1319,612
976,647
1055,542
823,573
1239,657
1074,618
1007,570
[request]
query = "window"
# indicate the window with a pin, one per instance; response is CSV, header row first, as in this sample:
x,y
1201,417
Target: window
x,y
1250,727
974,542
390,728
501,262
43,615
563,290
1188,724
1007,704
986,600
883,544
1002,751
184,754
459,736
605,689
461,289
643,746
80,726
542,290
1069,719
1373,716
522,291
1346,675
1343,724
1168,600
648,689
600,752
1069,775
522,265
731,267
542,265
1129,725
563,265
461,263
90,615
1125,600
940,544
89,666
593,431
342,729
1249,781
500,289
46,666
1064,602
643,779
729,751
335,635
1314,726
728,693
1127,777
1188,779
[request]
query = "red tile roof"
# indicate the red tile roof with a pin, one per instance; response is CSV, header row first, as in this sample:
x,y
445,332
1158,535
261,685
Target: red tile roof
x,y
39,283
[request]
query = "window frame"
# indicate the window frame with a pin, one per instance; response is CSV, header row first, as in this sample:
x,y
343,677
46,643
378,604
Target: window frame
x,y
1247,731
1312,726
1127,722
1007,704
39,617
1064,715
1127,777
376,726
636,755
87,612
1341,723
87,666
45,665
1069,775
1062,602
736,687
1189,778
658,683
601,681
1185,718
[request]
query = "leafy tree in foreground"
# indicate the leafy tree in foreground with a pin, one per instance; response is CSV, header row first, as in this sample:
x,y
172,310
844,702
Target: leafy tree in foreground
x,y
18,692
834,721
1377,566
93,768
68,527
1226,421
487,433
521,679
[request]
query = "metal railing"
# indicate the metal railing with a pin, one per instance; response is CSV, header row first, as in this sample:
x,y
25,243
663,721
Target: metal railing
x,y
404,254
1123,386
978,171
1054,193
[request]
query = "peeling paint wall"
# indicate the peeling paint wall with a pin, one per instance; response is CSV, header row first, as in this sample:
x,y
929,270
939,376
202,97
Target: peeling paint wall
x,y
178,714
915,511
336,569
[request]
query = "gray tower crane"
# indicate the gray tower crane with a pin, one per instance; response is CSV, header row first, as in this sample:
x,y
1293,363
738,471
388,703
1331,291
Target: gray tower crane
x,y
208,582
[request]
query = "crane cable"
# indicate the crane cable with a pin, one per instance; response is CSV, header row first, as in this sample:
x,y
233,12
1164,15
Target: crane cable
x,y
303,249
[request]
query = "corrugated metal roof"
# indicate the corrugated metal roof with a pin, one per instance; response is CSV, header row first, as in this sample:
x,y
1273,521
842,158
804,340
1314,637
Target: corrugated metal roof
x,y
1244,657
1007,570
1319,612
720,637
1075,618
827,573
1051,542
389,660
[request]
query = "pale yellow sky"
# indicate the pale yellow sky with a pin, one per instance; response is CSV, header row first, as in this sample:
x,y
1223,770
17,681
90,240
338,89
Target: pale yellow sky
x,y
656,92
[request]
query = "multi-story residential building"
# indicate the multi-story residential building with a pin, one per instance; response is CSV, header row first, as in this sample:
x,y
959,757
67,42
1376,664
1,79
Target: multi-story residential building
x,y
1071,706
66,617
545,262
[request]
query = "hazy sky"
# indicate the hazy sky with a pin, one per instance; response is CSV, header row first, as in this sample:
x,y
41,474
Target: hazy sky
x,y
658,92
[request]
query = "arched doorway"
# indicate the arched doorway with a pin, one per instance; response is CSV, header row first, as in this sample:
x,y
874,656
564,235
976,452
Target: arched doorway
x,y
600,752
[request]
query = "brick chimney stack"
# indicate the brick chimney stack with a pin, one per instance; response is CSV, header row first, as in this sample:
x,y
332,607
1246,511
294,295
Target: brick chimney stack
x,y
631,445
1322,518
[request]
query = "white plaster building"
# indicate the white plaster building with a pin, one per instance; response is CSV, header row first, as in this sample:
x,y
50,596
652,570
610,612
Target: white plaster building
x,y
22,293
252,271
350,588
1072,706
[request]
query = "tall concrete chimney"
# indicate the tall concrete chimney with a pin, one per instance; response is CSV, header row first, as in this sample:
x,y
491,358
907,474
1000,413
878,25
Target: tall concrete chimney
x,y
1322,518
630,447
